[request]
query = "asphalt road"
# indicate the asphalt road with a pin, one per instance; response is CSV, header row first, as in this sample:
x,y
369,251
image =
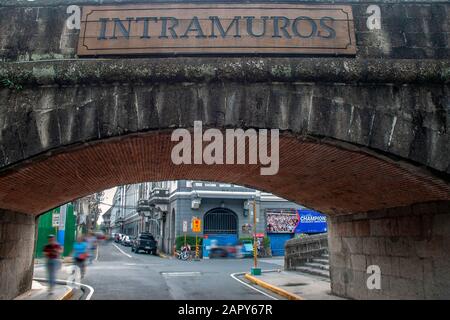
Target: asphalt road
x,y
118,273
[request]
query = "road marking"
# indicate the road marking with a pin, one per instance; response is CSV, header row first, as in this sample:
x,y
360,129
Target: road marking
x,y
233,275
122,251
181,274
96,256
91,290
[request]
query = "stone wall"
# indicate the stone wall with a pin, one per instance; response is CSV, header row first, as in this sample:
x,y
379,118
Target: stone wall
x,y
17,242
411,246
409,29
300,250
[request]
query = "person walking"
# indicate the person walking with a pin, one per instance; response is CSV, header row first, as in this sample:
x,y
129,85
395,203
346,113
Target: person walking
x,y
80,254
92,246
52,251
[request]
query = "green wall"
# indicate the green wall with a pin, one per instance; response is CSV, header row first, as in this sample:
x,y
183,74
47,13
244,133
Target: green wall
x,y
45,228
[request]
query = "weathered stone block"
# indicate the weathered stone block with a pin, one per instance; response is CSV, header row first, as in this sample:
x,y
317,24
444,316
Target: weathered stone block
x,y
432,247
383,227
16,255
441,225
338,260
409,226
337,285
401,247
346,229
358,262
362,228
406,289
352,245
383,262
395,267
374,246
8,249
357,287
383,292
443,207
335,244
415,265
12,232
411,268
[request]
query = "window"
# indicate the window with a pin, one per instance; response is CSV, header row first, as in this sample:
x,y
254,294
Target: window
x,y
220,220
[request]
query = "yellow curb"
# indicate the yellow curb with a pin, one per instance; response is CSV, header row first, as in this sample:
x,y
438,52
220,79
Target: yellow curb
x,y
67,295
279,291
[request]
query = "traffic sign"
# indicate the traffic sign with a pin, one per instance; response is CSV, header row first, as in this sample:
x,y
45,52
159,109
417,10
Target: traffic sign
x,y
196,225
55,219
185,228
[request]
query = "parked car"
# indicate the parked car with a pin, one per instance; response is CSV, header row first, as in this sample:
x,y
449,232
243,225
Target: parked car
x,y
126,241
146,242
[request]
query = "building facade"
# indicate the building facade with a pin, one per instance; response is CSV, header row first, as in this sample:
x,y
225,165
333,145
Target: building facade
x,y
226,211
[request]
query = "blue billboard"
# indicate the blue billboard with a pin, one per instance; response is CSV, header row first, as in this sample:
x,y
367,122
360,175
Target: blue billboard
x,y
310,221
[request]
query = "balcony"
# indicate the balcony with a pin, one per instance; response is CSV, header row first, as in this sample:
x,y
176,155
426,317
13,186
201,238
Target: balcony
x,y
159,196
204,189
143,205
217,186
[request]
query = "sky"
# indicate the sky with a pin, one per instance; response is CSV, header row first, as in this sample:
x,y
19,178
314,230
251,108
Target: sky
x,y
109,194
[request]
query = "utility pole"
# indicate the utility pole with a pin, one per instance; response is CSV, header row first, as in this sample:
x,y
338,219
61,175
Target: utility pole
x,y
255,270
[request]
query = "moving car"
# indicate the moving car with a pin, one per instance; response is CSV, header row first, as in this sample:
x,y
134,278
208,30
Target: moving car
x,y
247,248
144,241
100,236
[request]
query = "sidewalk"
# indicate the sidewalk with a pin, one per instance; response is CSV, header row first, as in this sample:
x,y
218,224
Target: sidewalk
x,y
65,260
294,285
39,292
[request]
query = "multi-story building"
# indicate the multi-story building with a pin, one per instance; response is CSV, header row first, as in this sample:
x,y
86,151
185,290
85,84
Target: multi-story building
x,y
106,224
224,209
81,210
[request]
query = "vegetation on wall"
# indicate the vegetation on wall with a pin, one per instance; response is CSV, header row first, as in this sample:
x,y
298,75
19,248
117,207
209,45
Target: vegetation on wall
x,y
266,241
7,83
189,240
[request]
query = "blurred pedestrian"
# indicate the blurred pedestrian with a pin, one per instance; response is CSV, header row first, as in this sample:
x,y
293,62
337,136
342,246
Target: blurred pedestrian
x,y
52,251
80,254
92,246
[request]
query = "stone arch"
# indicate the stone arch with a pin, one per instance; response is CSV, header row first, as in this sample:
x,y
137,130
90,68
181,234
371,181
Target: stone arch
x,y
364,139
334,178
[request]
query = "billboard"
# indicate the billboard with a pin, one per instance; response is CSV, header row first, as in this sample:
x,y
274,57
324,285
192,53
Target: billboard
x,y
283,221
310,221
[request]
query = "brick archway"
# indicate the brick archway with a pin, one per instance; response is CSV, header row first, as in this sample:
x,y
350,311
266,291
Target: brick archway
x,y
334,177
331,177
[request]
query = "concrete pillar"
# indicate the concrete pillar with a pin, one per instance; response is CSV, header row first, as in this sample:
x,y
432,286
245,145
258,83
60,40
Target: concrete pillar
x,y
411,245
17,241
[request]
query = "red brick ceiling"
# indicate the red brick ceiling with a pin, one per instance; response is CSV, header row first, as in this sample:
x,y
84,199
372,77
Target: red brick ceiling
x,y
327,178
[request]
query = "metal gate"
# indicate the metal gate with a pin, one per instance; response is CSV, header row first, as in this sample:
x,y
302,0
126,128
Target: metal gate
x,y
277,241
220,221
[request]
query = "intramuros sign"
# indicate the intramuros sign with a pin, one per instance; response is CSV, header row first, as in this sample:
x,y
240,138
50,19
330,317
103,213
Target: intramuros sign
x,y
217,28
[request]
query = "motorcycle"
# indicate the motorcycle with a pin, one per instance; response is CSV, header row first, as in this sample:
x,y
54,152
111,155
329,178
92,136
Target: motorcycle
x,y
185,253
